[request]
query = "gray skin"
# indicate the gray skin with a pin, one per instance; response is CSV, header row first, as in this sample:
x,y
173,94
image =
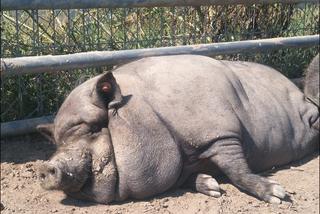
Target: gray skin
x,y
312,80
178,120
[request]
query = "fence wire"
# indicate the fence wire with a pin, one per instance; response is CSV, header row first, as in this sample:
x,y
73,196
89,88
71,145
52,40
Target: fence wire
x,y
43,32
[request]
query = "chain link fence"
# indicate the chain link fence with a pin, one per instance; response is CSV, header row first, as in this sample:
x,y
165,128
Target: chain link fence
x,y
45,32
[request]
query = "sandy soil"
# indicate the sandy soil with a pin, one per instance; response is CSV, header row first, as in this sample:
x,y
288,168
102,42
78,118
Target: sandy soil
x,y
21,193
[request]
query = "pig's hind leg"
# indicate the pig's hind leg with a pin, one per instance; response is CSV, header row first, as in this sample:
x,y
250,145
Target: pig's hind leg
x,y
227,154
205,184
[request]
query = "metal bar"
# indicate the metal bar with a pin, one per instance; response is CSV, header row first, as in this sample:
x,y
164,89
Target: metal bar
x,y
80,4
49,63
20,127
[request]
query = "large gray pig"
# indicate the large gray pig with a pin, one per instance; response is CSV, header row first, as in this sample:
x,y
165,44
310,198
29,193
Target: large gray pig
x,y
162,122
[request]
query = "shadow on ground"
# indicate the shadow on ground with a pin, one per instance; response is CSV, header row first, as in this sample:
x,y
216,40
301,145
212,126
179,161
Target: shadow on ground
x,y
171,193
291,165
26,148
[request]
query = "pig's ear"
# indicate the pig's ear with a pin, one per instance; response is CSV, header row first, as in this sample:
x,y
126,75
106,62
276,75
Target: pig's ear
x,y
110,90
47,131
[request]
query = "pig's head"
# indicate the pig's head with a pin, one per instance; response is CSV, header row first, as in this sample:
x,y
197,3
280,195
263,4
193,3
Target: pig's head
x,y
83,170
68,169
84,162
84,111
311,89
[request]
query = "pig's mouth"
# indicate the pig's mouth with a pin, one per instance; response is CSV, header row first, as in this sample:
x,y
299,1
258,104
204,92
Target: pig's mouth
x,y
50,177
55,178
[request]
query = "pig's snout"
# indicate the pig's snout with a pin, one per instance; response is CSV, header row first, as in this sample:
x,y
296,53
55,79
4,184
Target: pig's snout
x,y
49,176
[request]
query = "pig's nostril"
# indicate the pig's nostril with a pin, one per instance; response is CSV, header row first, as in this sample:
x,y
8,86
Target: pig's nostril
x,y
46,172
52,171
42,176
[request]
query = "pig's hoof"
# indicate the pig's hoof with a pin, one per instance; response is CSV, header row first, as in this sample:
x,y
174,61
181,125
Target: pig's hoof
x,y
207,185
275,193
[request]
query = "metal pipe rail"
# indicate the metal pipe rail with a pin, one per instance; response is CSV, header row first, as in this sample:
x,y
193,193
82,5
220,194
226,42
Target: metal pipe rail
x,y
78,4
21,127
49,63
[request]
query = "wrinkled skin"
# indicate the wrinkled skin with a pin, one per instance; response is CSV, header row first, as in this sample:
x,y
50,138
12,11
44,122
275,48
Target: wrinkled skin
x,y
178,120
83,171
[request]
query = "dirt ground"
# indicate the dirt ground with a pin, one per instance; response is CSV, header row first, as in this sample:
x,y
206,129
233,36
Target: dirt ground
x,y
21,193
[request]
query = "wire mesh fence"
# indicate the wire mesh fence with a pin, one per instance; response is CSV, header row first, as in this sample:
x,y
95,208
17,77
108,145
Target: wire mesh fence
x,y
43,32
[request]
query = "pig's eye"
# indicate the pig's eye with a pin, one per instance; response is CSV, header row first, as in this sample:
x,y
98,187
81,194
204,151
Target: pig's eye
x,y
106,87
95,128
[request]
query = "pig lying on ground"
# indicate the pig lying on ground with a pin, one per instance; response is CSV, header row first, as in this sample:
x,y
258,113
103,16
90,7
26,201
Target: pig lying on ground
x,y
311,88
163,122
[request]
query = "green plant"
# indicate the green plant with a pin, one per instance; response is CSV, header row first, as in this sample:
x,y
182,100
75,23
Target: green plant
x,y
42,32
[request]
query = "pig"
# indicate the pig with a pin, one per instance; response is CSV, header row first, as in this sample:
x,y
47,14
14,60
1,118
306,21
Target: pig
x,y
165,122
311,89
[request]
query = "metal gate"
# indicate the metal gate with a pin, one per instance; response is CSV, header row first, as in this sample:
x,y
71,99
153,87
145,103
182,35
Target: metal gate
x,y
48,48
